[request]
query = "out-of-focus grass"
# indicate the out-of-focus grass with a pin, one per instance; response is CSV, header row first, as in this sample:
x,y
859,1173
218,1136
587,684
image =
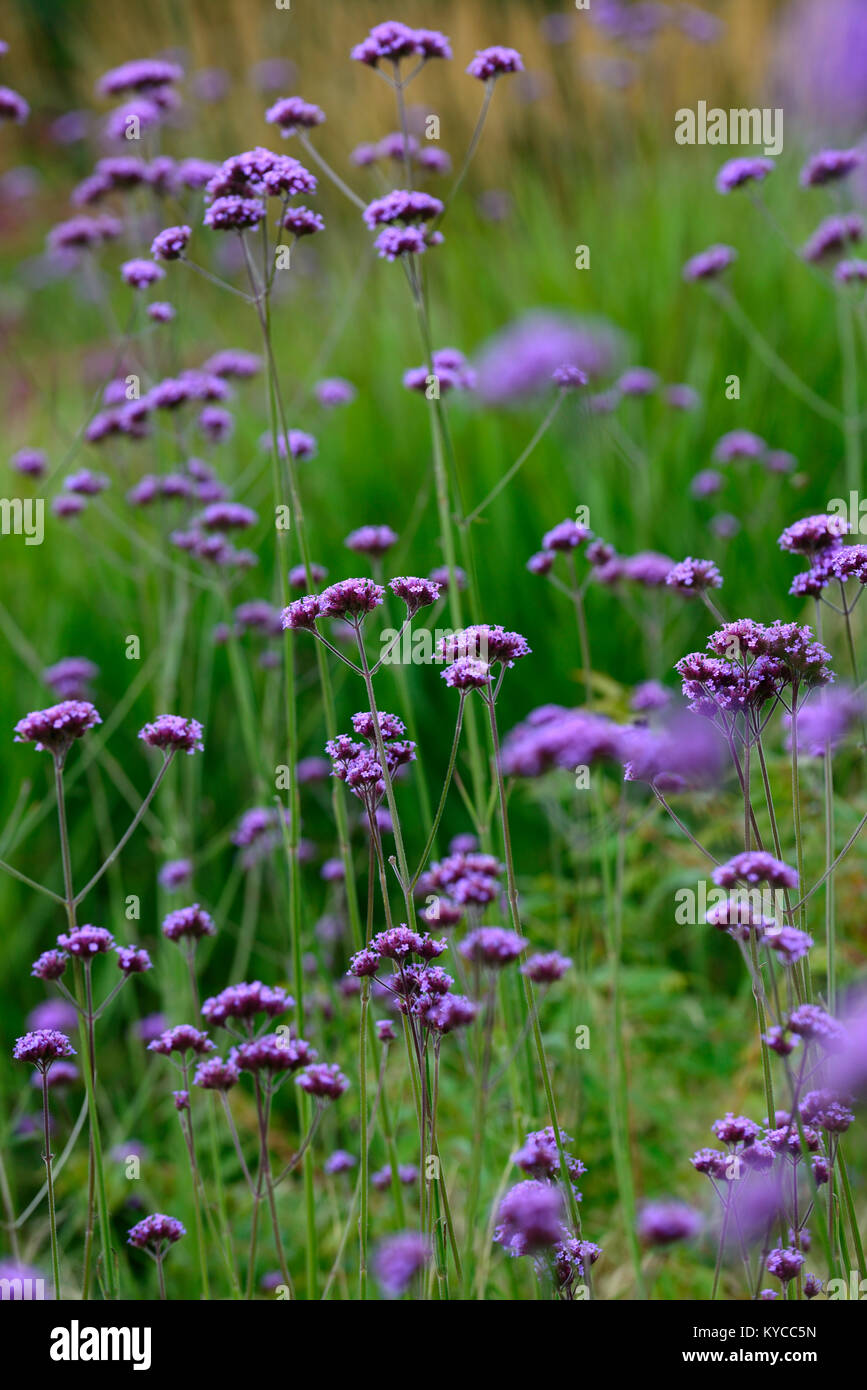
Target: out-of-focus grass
x,y
581,165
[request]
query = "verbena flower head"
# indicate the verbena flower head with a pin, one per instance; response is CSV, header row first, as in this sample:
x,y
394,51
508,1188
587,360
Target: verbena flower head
x,y
371,540
183,1039
234,214
174,734
155,1233
334,391
50,965
707,265
691,577
416,593
492,947
273,1053
814,534
755,866
71,677
139,75
339,1162
399,1259
832,236
566,535
828,166
850,272
568,377
663,1223
191,923
393,41
302,613
42,1047
86,941
322,1080
242,1002
494,62
32,463
170,243
467,673
784,1264
133,960
291,114
53,730
739,444
530,1218
488,641
736,173
140,275
638,381
546,967
351,598
302,221
13,107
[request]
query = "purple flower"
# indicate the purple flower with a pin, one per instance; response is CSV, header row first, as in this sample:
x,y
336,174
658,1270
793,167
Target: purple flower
x,y
546,968
333,391
302,613
568,376
188,922
833,235
170,244
244,1001
399,1259
566,535
13,107
663,1223
638,381
42,1047
738,172
183,1038
707,265
71,677
302,221
828,166
493,947
154,1233
325,1082
467,673
813,534
139,75
692,577
519,361
216,1075
371,540
530,1218
350,598
291,114
850,272
681,397
85,483
141,274
232,213
789,943
50,965
416,593
53,730
784,1264
394,242
649,696
755,866
494,62
173,733
133,960
275,1052
32,463
739,444
542,562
